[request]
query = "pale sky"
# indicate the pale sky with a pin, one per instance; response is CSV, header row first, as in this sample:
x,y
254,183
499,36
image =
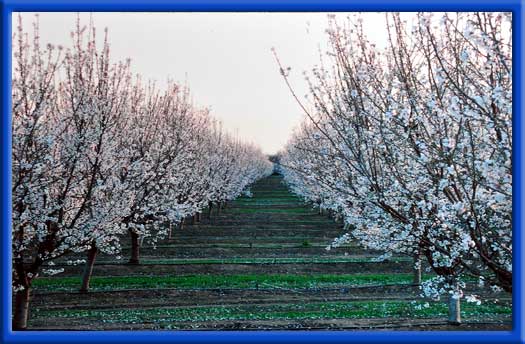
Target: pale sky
x,y
225,58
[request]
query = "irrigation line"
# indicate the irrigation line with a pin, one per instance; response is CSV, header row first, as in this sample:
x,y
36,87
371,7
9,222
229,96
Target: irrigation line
x,y
343,289
298,326
332,328
237,303
271,288
262,261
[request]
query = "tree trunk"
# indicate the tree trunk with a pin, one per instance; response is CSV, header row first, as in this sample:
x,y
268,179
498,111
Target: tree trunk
x,y
218,208
198,217
88,269
135,248
181,224
210,206
416,269
170,229
454,310
21,310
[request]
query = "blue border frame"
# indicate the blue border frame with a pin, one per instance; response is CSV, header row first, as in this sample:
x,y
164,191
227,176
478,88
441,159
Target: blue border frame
x,y
517,335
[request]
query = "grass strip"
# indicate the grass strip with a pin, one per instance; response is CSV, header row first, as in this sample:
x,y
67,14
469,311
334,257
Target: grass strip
x,y
248,281
250,261
325,310
237,239
305,243
245,210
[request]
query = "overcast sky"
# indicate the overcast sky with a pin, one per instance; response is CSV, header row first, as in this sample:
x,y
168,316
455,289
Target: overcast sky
x,y
225,58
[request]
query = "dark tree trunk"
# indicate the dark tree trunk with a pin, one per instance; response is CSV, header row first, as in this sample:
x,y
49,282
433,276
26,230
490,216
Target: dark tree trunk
x,y
88,269
210,207
504,278
218,208
181,224
135,248
416,269
21,310
198,215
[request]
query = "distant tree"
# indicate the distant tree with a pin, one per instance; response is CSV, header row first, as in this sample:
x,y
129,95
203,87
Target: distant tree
x,y
276,160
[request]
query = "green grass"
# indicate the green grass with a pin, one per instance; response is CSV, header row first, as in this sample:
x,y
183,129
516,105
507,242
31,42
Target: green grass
x,y
299,244
223,282
241,238
325,310
271,190
270,198
280,260
265,200
291,224
301,210
259,203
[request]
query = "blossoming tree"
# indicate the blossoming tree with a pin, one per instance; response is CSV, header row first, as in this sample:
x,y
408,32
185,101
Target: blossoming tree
x,y
412,144
97,154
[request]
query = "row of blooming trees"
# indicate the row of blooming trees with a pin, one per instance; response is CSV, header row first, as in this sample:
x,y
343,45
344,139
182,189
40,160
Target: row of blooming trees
x,y
98,153
411,145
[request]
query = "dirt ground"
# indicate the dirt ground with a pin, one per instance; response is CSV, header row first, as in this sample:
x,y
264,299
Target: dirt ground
x,y
273,224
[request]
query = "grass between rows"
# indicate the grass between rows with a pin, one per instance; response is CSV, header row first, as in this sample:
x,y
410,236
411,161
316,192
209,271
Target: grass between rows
x,y
269,195
272,190
326,310
297,210
269,198
224,282
249,261
290,223
238,239
303,244
282,201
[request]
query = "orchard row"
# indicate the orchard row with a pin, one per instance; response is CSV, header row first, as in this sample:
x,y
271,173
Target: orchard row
x,y
411,144
98,153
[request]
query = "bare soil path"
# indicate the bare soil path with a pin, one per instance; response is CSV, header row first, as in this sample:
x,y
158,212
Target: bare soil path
x,y
261,263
